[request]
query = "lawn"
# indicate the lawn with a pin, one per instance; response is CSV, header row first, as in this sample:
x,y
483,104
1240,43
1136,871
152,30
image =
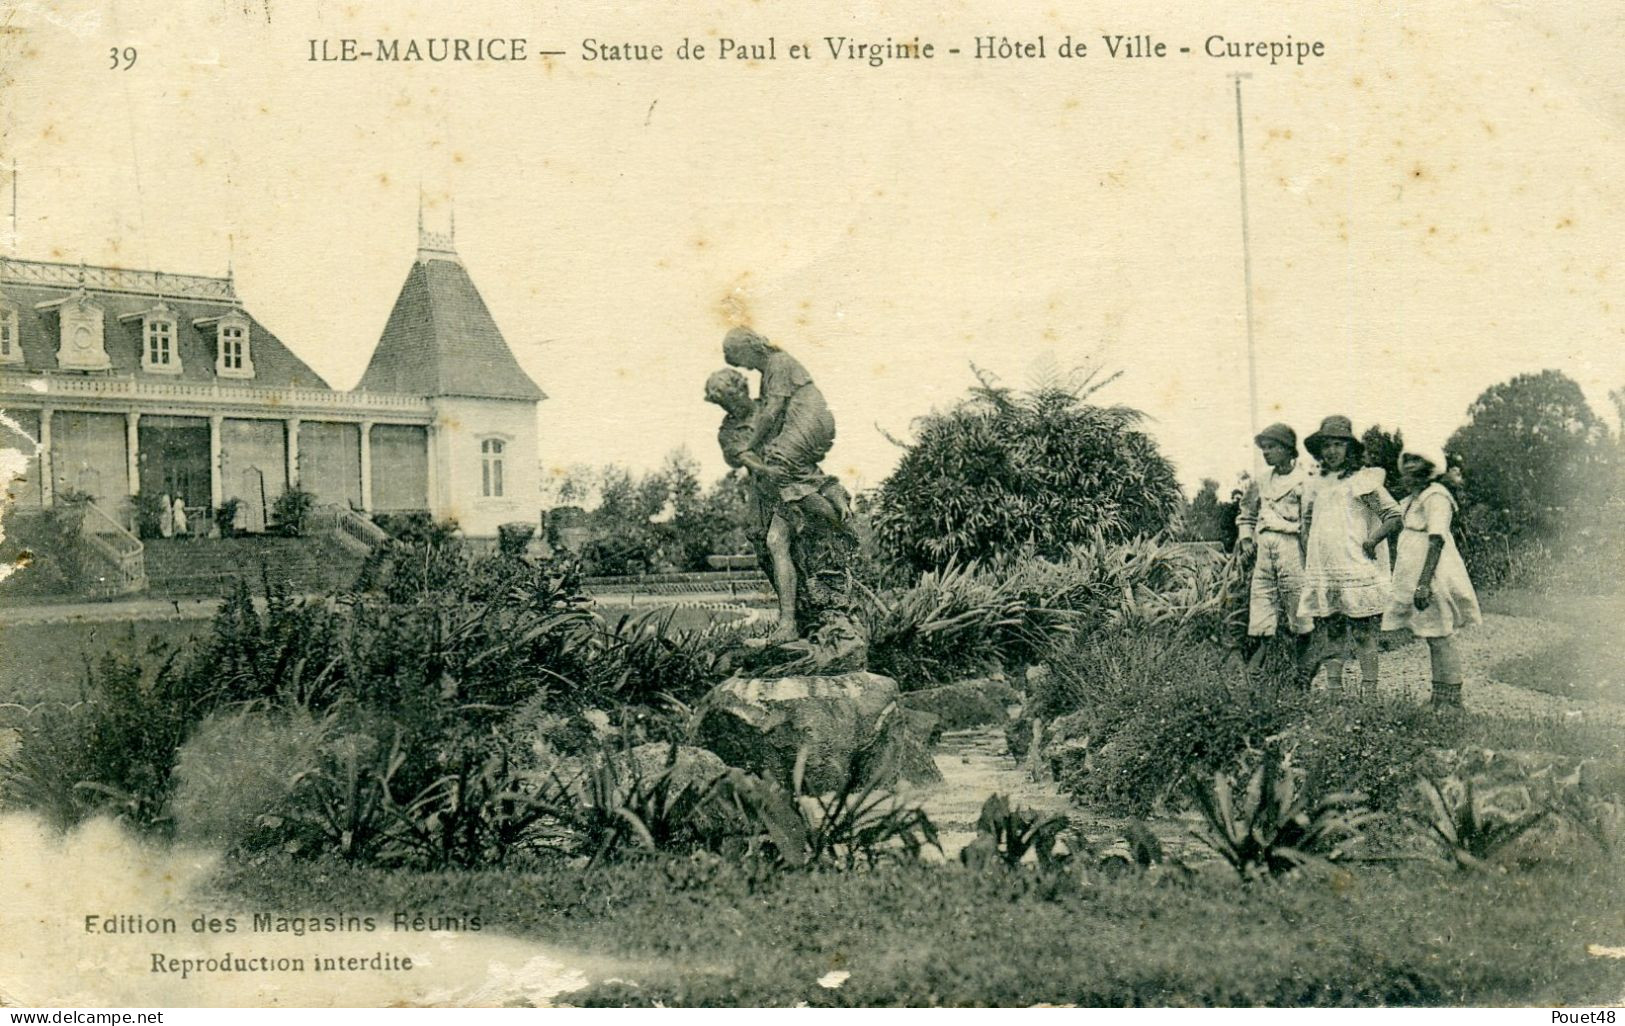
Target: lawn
x,y
1587,666
713,933
46,662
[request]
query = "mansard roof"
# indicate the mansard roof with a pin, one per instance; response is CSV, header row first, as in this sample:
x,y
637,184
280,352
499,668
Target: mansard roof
x,y
441,340
123,295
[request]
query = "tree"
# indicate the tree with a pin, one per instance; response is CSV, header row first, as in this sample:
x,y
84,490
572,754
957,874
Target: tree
x,y
1382,449
1001,470
1202,515
1527,450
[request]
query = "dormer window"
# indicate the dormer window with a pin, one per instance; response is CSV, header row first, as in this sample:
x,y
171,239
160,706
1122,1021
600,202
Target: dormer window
x,y
233,357
159,342
11,350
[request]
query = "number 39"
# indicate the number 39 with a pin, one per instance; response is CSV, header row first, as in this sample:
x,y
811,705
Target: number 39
x,y
123,58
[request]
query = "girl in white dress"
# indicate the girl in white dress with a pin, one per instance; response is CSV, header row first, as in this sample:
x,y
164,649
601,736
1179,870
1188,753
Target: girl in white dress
x,y
1347,517
1433,596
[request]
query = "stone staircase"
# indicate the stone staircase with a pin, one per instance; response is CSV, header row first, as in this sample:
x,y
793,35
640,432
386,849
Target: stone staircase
x,y
211,566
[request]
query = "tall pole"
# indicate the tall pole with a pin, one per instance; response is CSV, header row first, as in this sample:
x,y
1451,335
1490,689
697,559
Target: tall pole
x,y
1247,266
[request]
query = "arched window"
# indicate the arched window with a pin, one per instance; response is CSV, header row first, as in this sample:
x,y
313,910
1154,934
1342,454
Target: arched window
x,y
491,468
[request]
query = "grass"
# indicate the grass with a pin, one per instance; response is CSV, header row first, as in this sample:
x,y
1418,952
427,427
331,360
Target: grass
x,y
713,933
1587,666
46,662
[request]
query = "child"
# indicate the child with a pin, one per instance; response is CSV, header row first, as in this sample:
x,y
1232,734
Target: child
x,y
1271,517
782,497
1432,593
1347,517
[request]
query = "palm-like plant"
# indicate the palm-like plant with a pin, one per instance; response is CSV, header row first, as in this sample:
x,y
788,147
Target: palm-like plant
x,y
1005,835
1467,829
1270,828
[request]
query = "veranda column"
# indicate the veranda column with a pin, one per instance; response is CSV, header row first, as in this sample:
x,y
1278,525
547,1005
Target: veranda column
x,y
431,468
366,465
132,448
46,486
217,491
293,453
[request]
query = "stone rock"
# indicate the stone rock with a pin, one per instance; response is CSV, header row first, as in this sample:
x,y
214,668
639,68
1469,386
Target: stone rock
x,y
761,724
910,756
696,766
970,703
1018,736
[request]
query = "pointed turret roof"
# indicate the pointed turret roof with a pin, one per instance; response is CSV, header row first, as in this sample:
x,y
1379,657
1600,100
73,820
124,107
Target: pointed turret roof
x,y
440,339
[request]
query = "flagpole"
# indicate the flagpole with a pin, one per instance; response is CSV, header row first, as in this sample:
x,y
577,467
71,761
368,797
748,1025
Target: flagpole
x,y
1247,270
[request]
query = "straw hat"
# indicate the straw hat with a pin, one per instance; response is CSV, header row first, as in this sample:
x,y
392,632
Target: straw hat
x,y
1335,427
1281,433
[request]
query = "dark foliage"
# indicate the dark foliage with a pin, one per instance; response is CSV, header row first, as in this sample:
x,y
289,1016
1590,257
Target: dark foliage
x,y
1002,470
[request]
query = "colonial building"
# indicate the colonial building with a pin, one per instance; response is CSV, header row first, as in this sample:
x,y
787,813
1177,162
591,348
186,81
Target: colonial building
x,y
121,382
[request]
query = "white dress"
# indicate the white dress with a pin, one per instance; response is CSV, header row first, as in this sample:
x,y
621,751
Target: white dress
x,y
1338,577
1455,604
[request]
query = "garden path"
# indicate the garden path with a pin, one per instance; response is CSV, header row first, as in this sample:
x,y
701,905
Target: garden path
x,y
1499,638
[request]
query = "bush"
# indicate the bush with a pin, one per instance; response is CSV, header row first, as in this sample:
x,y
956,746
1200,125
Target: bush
x,y
513,538
225,517
149,512
1374,745
961,621
1156,710
112,751
47,551
1001,471
235,772
291,509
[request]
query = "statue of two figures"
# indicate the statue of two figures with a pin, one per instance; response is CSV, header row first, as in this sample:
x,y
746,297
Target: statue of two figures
x,y
801,515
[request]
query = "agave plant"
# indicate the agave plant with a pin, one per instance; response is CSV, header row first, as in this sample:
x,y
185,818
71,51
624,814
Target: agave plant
x,y
613,807
859,822
1005,835
1270,828
1470,832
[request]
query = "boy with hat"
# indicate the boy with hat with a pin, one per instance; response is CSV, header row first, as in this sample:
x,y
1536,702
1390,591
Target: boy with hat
x,y
1271,517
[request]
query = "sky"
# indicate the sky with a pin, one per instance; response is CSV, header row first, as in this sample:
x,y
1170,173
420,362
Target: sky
x,y
1433,207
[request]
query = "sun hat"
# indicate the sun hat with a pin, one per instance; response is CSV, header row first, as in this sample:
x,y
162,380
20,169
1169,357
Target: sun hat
x,y
1278,433
1430,452
1335,427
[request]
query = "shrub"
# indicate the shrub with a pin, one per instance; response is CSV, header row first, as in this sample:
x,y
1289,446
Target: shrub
x,y
1268,827
149,511
1471,832
225,517
645,661
1004,836
513,538
236,771
1002,470
113,750
1371,744
291,509
416,527
960,621
1155,710
858,823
